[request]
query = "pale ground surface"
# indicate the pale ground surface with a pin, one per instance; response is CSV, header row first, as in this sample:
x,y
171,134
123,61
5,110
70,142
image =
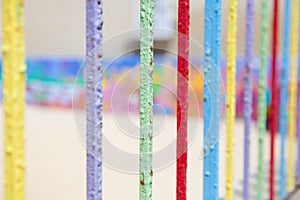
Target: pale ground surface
x,y
56,159
296,196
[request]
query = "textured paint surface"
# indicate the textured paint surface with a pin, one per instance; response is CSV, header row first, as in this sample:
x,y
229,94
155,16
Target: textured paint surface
x,y
94,55
284,96
248,96
14,69
146,98
230,88
212,42
262,103
274,100
182,97
293,97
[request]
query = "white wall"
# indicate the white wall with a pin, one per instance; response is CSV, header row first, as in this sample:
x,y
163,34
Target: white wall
x,y
57,27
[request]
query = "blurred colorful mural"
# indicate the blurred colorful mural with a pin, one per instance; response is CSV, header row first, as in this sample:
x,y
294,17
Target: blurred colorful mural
x,y
58,82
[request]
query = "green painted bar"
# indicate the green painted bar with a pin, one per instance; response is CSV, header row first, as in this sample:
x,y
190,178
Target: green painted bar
x,y
262,104
146,97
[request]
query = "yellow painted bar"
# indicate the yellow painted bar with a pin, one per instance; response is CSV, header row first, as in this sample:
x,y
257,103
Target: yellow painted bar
x,y
230,88
292,107
14,98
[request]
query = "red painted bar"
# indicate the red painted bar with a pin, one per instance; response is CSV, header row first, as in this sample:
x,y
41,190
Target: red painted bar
x,y
182,97
274,102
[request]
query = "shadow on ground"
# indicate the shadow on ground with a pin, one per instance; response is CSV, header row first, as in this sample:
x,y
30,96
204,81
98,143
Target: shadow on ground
x,y
294,195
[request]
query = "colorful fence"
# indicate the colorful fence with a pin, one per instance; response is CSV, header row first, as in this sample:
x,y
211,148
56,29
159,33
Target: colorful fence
x,y
247,80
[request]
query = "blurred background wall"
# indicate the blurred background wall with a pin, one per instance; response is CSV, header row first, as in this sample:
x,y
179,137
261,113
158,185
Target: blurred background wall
x,y
55,45
57,27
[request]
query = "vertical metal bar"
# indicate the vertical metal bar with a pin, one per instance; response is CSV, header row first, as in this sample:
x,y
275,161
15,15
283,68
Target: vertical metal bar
x,y
212,45
146,97
230,87
94,23
14,75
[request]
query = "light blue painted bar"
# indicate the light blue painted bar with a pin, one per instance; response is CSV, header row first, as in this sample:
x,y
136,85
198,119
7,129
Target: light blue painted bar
x,y
212,62
284,96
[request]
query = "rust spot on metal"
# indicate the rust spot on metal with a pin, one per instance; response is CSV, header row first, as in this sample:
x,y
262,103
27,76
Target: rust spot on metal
x,y
151,173
151,48
142,181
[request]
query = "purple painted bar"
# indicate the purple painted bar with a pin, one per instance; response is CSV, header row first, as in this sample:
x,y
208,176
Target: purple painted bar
x,y
94,56
248,96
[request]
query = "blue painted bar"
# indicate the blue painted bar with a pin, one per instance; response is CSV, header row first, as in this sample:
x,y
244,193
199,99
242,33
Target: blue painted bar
x,y
212,63
284,96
